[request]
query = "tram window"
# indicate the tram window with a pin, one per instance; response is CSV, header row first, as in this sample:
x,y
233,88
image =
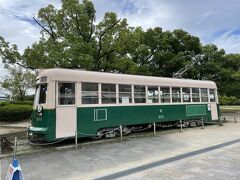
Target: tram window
x,y
89,93
186,94
176,94
41,93
195,95
165,94
108,93
66,93
139,94
212,95
204,95
125,94
152,94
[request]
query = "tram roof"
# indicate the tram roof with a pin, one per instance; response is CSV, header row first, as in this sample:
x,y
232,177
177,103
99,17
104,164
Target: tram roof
x,y
72,75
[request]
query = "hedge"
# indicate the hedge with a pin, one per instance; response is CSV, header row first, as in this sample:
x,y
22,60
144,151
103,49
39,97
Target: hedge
x,y
15,112
4,103
23,102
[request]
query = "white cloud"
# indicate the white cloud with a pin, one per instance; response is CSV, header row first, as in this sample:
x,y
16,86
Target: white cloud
x,y
17,25
210,20
229,42
201,18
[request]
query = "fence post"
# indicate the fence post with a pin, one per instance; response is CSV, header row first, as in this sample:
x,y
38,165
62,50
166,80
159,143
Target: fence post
x,y
15,148
235,118
121,132
202,123
76,140
220,121
154,128
180,125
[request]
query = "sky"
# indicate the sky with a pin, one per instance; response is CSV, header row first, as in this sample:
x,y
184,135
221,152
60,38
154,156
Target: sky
x,y
213,21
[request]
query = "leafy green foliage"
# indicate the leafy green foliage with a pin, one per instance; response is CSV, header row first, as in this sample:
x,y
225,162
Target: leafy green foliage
x,y
228,100
14,112
9,53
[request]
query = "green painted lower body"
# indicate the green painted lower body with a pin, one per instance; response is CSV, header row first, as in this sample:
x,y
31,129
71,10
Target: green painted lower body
x,y
91,119
45,126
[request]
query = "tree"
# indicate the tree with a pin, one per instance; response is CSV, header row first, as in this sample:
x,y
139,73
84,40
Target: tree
x,y
18,83
9,53
159,52
72,39
229,81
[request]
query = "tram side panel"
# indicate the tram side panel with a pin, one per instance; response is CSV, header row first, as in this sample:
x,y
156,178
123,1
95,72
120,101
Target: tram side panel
x,y
91,119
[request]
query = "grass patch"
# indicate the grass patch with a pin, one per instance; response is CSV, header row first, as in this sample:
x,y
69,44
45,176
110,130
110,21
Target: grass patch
x,y
230,109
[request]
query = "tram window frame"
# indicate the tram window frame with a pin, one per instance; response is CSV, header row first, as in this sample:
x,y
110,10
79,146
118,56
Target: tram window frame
x,y
195,95
214,95
139,94
165,94
93,90
153,95
124,96
70,97
186,92
174,93
205,97
111,96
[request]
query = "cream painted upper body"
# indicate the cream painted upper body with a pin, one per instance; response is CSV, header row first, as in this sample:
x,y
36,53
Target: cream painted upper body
x,y
78,76
102,77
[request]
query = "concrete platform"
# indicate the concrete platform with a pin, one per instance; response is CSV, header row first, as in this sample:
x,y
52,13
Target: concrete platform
x,y
217,157
12,129
20,124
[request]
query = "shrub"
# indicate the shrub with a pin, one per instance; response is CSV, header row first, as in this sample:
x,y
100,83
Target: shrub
x,y
15,112
4,103
228,100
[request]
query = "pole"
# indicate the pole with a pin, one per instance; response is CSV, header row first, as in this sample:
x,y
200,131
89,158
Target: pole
x,y
121,132
202,124
154,128
181,125
15,148
76,140
235,118
220,121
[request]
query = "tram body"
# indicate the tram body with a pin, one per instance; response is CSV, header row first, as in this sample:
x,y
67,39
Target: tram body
x,y
88,102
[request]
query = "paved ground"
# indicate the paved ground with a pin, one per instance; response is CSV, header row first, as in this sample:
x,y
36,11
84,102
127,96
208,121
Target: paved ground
x,y
132,155
222,164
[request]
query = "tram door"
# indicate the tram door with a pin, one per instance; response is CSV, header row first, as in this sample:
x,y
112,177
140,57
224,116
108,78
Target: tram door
x,y
213,104
214,111
66,110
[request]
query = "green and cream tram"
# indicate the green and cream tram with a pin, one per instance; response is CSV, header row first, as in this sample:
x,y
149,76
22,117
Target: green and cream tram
x,y
88,102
